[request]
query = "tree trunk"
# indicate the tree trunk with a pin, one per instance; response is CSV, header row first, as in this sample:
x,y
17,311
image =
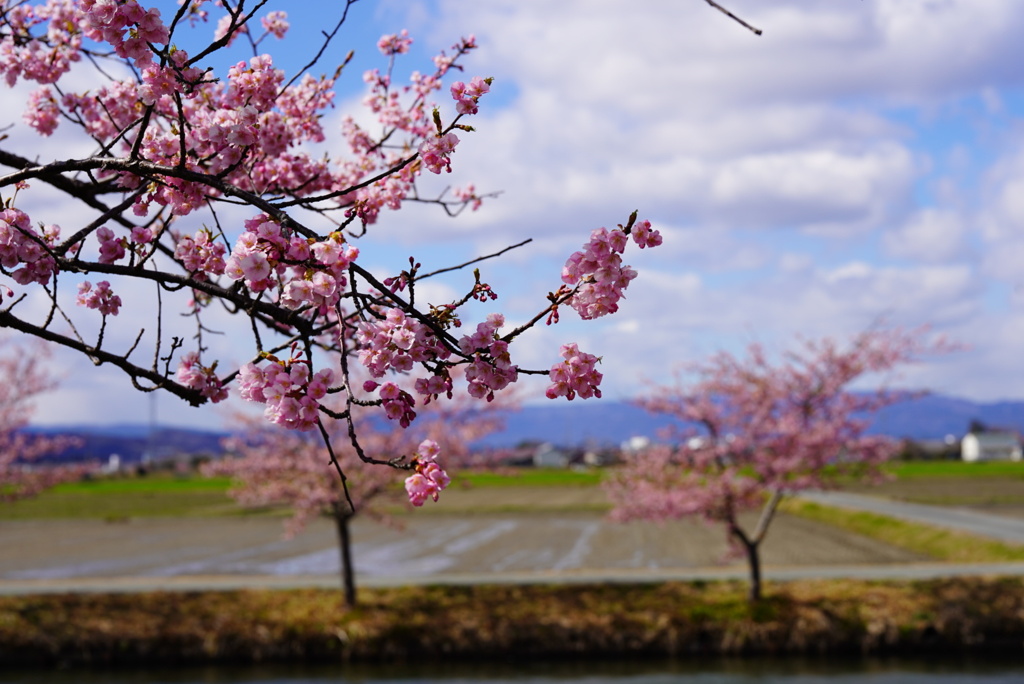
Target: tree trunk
x,y
752,543
348,579
753,561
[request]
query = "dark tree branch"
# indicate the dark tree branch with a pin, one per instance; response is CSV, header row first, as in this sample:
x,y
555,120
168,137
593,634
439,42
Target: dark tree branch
x,y
193,397
732,16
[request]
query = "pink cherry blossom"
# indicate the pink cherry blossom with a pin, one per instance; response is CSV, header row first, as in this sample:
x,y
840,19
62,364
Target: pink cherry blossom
x,y
276,23
575,375
435,152
291,394
429,478
24,251
193,374
597,272
101,297
395,44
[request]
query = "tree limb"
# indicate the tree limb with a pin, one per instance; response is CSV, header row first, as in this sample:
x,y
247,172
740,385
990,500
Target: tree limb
x,y
732,16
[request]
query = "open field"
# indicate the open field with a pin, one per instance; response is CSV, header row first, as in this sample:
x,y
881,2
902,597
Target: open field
x,y
530,520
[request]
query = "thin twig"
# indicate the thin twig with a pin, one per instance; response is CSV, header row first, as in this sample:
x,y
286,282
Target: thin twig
x,y
732,16
473,261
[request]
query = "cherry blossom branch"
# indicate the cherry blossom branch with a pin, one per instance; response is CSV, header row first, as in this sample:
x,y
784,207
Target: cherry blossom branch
x,y
477,260
179,140
328,37
99,356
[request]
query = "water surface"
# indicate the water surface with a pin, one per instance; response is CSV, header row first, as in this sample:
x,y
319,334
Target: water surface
x,y
524,671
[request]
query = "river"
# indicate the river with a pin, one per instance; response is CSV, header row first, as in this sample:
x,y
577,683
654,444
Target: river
x,y
978,670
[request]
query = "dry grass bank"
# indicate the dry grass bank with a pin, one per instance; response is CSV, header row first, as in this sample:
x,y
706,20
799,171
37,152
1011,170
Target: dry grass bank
x,y
681,619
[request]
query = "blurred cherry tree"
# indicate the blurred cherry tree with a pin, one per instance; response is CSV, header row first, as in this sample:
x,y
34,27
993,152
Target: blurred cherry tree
x,y
24,378
270,466
764,429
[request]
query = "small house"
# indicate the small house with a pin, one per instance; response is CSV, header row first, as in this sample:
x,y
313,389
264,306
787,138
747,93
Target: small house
x,y
550,456
990,445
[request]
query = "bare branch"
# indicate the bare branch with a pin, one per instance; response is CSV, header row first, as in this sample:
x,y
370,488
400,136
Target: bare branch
x,y
732,16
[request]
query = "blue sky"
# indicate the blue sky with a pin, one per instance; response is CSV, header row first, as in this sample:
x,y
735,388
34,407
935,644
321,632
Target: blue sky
x,y
860,161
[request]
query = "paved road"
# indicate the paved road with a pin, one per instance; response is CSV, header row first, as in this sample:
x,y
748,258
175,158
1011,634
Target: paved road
x,y
905,571
961,519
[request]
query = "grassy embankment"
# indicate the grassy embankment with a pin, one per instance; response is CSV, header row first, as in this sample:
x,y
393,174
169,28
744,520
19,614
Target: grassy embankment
x,y
465,623
951,483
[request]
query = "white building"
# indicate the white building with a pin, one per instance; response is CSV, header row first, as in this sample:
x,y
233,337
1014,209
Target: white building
x,y
550,456
992,445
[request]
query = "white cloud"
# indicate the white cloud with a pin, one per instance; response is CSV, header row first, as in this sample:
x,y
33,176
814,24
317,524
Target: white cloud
x,y
822,190
931,235
795,184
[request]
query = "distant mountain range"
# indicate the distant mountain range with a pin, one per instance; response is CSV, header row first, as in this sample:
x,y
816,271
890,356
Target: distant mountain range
x,y
932,417
132,443
597,423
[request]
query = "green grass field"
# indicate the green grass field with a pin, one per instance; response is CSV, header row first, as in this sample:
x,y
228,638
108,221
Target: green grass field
x,y
195,496
533,477
907,470
165,495
937,543
123,497
154,484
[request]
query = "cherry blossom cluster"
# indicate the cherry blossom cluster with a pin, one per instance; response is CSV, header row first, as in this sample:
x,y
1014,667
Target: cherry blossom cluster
x,y
34,58
598,272
112,248
492,369
101,297
575,375
389,193
396,342
467,97
429,478
395,44
259,254
434,386
107,20
388,106
290,392
42,113
141,235
645,236
265,253
276,24
398,404
322,281
225,122
468,194
444,62
201,254
22,248
435,151
193,374
163,81
104,112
